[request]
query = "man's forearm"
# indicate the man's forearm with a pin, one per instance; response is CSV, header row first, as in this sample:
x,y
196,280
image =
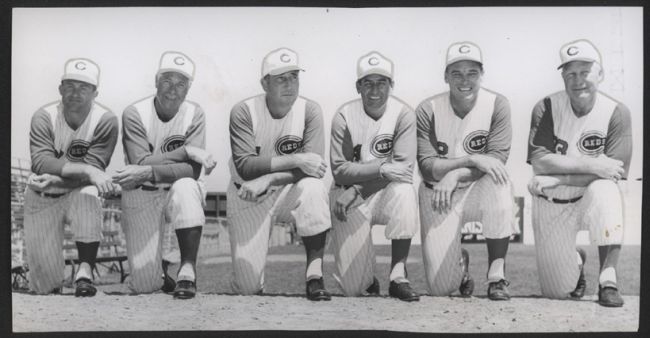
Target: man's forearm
x,y
554,164
284,177
466,174
78,171
441,166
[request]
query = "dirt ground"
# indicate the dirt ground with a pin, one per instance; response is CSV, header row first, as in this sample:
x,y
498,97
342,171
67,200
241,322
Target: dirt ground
x,y
283,307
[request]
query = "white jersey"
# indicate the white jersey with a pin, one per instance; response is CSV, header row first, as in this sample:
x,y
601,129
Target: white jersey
x,y
274,137
165,136
374,136
581,136
72,143
458,137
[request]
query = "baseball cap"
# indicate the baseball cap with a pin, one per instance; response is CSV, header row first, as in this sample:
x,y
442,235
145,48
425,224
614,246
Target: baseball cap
x,y
579,50
280,61
81,69
176,62
374,63
463,50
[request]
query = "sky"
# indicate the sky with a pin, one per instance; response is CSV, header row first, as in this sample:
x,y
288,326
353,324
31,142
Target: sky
x,y
520,50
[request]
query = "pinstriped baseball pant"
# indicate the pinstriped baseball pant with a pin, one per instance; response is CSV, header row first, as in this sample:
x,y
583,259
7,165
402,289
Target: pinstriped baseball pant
x,y
395,206
145,216
44,224
249,225
482,201
555,227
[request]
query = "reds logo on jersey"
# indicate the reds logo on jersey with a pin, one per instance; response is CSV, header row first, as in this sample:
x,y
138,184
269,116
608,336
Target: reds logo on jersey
x,y
288,144
476,142
592,143
77,150
442,149
172,142
381,145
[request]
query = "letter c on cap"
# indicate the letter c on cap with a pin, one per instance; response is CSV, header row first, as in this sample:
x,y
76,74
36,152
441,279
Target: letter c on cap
x,y
285,57
80,65
464,49
179,60
573,50
373,61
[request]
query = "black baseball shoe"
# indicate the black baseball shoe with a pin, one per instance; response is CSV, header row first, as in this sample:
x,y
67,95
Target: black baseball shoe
x,y
499,290
373,289
403,291
609,296
316,290
185,289
582,282
84,288
466,287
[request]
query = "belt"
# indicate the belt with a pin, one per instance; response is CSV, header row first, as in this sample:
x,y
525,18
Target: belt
x,y
342,186
152,188
48,195
428,185
559,200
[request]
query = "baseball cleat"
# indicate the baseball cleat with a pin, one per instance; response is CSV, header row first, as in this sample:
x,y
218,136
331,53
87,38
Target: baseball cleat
x,y
168,284
499,290
403,291
185,289
466,287
373,289
609,296
582,282
84,288
316,290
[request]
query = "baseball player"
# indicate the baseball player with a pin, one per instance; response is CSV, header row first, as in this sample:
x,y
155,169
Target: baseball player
x,y
464,139
372,155
164,140
71,142
276,169
580,146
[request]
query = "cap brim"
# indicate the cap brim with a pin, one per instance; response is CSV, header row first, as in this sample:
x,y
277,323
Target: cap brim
x,y
577,59
283,70
375,72
463,59
81,78
174,70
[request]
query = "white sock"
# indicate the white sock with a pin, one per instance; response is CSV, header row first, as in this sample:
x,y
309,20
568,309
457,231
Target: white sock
x,y
314,269
398,273
186,272
84,272
607,277
580,262
496,273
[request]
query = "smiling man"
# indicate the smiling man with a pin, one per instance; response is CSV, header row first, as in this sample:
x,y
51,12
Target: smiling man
x,y
464,139
277,166
580,146
164,141
372,154
71,142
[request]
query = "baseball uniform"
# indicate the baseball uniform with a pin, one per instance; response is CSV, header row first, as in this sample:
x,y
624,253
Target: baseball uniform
x,y
358,140
255,138
53,143
441,134
565,210
176,196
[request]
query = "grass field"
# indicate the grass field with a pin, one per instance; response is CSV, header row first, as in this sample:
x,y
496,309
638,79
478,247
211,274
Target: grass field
x,y
285,270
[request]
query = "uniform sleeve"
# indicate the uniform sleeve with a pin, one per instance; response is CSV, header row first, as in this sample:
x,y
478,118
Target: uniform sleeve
x,y
314,137
103,142
248,163
426,138
541,138
500,137
41,145
619,137
344,170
